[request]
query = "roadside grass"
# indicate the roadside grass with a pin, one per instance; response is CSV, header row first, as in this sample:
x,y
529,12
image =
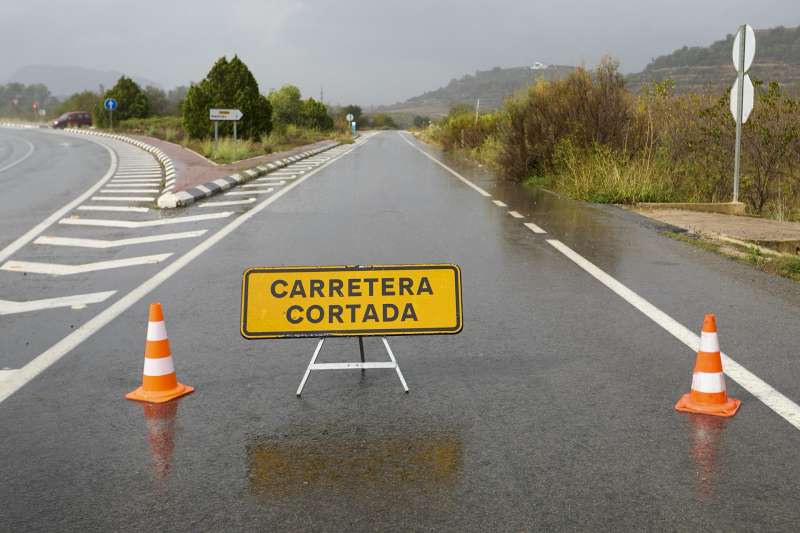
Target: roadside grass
x,y
782,265
227,150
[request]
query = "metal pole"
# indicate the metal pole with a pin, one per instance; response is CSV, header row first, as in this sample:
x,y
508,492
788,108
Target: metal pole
x,y
477,108
739,112
111,118
216,132
361,349
234,130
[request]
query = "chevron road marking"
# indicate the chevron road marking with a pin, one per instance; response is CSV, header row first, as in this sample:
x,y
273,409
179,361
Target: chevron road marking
x,y
100,243
123,198
113,208
262,185
133,224
79,301
246,193
55,269
231,202
132,191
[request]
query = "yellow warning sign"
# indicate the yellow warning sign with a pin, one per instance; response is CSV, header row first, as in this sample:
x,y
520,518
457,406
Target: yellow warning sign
x,y
328,301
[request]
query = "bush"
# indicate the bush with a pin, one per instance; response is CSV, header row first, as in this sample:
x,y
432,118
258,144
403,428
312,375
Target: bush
x,y
229,84
131,103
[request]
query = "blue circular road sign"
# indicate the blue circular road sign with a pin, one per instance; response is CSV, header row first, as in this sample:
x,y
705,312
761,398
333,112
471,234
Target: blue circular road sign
x,y
110,104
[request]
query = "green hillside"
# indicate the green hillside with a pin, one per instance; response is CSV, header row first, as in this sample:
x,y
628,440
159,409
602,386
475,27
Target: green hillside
x,y
491,86
710,68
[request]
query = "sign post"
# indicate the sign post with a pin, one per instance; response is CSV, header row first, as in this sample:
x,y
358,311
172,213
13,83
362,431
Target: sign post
x,y
351,301
217,115
110,104
742,92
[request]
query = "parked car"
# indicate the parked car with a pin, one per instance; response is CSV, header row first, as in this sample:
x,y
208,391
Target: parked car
x,y
73,119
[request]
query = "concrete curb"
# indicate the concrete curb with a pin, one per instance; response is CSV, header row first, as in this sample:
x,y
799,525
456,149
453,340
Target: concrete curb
x,y
170,200
166,162
19,125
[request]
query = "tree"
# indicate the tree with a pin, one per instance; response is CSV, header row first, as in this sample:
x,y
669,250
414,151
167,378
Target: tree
x,y
353,110
131,102
285,106
229,84
83,101
314,114
157,99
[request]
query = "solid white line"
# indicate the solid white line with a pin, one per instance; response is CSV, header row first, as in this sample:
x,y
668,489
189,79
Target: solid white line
x,y
132,224
102,244
78,301
251,191
132,191
262,185
113,208
53,354
498,203
123,198
232,202
773,399
55,269
29,153
6,373
534,228
6,252
450,170
515,214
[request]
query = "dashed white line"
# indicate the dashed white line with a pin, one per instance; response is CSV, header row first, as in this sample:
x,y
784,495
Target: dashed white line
x,y
498,203
132,224
515,214
534,228
56,269
78,301
102,244
773,399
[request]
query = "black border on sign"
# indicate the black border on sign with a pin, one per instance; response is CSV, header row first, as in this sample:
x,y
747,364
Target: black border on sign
x,y
252,335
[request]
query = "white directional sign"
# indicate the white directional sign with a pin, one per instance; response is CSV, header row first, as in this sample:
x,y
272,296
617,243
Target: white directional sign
x,y
224,114
749,48
349,117
748,98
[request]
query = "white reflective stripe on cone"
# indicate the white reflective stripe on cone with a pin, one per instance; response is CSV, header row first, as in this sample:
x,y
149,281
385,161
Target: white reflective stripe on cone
x,y
158,367
156,331
708,382
709,342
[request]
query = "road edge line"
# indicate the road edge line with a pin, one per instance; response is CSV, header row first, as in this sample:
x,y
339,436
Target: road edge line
x,y
768,395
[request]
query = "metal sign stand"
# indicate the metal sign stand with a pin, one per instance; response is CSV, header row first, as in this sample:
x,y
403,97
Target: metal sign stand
x,y
313,365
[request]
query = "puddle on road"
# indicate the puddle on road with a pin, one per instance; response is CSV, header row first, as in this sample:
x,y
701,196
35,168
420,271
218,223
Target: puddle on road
x,y
353,461
160,423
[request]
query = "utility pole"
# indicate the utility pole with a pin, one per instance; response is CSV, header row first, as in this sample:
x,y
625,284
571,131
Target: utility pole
x,y
477,109
321,99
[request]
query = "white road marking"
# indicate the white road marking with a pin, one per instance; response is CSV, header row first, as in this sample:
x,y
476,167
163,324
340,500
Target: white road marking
x,y
273,180
450,170
123,198
262,185
246,193
116,185
136,180
113,208
133,224
102,244
56,269
29,153
773,399
78,301
515,214
231,202
498,203
52,355
36,230
6,373
131,191
534,228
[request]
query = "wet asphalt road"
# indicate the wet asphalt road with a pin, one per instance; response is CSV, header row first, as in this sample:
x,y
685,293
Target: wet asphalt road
x,y
39,171
553,409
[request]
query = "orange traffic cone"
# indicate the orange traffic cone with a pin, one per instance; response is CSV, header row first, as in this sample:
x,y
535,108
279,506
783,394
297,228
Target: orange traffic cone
x,y
708,395
159,382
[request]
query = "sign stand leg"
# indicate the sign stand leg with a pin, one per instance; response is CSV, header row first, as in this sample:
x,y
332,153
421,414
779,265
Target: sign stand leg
x,y
361,349
313,365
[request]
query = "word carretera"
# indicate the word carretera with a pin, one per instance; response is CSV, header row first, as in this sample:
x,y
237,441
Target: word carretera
x,y
351,288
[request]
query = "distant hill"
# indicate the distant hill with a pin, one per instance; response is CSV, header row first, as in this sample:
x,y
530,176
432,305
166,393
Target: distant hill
x,y
66,80
491,86
710,68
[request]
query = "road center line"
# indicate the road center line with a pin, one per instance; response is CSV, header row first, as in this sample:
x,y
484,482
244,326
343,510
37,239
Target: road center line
x,y
773,399
52,355
29,153
450,170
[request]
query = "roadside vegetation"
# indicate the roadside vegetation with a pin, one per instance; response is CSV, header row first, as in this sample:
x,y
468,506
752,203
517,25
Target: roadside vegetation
x,y
588,137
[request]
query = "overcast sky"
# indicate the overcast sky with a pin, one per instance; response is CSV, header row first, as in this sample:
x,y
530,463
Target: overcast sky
x,y
366,52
